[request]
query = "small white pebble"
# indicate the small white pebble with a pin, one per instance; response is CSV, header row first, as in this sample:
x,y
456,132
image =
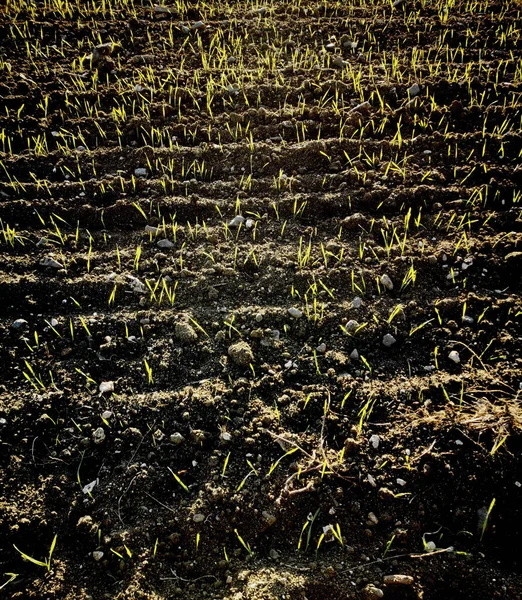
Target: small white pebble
x,y
236,221
387,282
454,356
106,386
295,312
374,441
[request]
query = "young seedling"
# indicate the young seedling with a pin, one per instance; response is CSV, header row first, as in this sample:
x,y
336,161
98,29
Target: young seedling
x,y
245,544
41,563
486,518
184,486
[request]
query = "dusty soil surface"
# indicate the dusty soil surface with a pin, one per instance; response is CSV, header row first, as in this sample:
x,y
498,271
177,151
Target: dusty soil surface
x,y
260,308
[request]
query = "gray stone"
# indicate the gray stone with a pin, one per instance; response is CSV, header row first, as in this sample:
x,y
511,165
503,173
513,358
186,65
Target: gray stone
x,y
165,244
19,323
388,340
50,262
98,435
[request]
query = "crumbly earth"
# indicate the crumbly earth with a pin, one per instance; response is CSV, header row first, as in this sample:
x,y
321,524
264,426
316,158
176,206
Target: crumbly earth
x,y
260,300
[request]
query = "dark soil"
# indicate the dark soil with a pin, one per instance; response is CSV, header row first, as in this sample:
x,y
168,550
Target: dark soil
x,y
213,217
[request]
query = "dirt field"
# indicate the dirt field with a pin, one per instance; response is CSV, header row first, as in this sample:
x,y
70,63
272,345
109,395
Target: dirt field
x,y
260,300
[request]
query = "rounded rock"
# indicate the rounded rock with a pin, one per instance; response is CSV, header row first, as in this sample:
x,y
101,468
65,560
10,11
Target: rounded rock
x,y
388,340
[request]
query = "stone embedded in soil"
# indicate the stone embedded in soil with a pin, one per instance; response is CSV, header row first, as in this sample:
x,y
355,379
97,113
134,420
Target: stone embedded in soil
x,y
371,592
140,172
98,435
97,555
352,222
337,61
100,52
356,302
165,244
387,282
374,441
454,356
19,323
237,221
321,348
354,354
351,326
388,340
48,261
106,386
176,438
269,518
372,518
398,580
414,90
241,354
198,518
184,332
295,312
153,230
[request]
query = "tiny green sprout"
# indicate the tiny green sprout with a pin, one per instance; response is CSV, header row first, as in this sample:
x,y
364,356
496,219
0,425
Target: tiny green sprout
x,y
336,532
155,549
148,370
184,486
345,398
41,563
498,444
245,545
225,464
486,518
388,546
319,542
12,577
274,465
